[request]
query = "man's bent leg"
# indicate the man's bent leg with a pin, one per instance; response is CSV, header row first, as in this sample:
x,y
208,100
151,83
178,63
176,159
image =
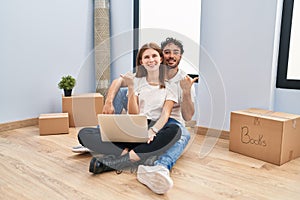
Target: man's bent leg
x,y
149,175
121,100
157,178
169,158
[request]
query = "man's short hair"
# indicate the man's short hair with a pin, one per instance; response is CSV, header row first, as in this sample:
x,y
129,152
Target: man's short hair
x,y
170,40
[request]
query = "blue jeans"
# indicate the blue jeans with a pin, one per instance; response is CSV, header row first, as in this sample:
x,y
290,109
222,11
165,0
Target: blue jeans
x,y
120,100
169,158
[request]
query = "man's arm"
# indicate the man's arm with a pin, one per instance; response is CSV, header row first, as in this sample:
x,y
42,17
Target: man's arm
x,y
108,107
132,104
187,105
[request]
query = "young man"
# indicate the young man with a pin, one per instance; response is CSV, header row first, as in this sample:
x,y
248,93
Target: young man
x,y
157,177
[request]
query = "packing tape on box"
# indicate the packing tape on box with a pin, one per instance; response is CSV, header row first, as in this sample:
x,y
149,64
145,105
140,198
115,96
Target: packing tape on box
x,y
267,114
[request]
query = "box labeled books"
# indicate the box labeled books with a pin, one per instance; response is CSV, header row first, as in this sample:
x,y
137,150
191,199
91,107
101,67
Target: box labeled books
x,y
270,136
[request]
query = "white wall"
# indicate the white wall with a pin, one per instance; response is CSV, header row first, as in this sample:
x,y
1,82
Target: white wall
x,y
40,42
287,100
43,40
121,37
236,61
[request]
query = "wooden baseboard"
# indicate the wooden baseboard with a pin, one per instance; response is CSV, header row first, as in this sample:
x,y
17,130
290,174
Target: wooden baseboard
x,y
18,124
198,129
212,132
191,123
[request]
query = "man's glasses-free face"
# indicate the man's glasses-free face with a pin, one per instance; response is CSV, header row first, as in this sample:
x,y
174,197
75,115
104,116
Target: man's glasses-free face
x,y
168,51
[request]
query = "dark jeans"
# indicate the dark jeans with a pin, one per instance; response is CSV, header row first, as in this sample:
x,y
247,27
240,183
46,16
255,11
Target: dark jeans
x,y
165,138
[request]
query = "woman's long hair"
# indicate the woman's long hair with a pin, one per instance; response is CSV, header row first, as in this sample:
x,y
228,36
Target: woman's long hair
x,y
141,70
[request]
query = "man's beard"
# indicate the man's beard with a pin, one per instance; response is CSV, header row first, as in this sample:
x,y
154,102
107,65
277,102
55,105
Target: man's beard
x,y
174,64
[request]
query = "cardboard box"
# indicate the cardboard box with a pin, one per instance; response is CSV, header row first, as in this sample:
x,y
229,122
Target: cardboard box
x,y
54,123
270,136
83,109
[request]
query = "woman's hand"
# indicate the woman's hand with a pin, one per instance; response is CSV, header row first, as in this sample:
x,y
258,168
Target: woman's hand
x,y
151,135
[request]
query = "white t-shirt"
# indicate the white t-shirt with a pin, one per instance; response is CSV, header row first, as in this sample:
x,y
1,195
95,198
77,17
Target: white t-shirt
x,y
152,98
175,82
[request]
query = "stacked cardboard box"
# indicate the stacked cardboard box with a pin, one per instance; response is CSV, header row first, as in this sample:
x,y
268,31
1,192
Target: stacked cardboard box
x,y
83,109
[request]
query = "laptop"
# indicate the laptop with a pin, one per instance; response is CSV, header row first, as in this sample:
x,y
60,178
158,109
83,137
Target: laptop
x,y
123,128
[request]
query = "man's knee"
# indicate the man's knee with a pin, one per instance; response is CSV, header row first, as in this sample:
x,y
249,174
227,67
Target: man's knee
x,y
120,101
185,133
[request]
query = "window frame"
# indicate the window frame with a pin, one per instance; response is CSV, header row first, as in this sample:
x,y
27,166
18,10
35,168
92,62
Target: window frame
x,y
284,46
136,26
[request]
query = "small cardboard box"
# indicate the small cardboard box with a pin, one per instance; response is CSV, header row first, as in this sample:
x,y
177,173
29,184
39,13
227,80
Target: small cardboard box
x,y
83,109
270,136
54,123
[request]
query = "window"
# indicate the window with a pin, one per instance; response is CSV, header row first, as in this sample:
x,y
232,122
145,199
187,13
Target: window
x,y
157,20
288,74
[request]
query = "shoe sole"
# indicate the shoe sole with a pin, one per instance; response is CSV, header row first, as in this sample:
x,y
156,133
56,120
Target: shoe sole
x,y
80,149
92,165
154,180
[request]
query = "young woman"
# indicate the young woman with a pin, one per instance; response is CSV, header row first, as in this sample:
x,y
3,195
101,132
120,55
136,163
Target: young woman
x,y
150,95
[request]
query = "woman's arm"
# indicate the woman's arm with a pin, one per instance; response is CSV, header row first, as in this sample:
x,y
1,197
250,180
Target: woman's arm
x,y
166,111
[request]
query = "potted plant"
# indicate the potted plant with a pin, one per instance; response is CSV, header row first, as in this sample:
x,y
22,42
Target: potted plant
x,y
67,83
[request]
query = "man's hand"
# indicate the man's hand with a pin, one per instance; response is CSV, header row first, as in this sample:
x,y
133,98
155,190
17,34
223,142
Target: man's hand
x,y
128,78
187,105
108,108
187,82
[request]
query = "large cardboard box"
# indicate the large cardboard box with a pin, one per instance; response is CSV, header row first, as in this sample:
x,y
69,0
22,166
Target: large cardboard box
x,y
53,123
270,136
83,109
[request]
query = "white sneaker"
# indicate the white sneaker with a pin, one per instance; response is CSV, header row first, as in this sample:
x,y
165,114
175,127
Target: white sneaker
x,y
80,149
157,178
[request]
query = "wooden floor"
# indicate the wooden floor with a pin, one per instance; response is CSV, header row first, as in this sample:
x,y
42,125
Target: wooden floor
x,y
44,167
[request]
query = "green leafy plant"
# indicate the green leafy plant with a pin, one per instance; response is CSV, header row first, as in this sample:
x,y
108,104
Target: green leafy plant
x,y
67,82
